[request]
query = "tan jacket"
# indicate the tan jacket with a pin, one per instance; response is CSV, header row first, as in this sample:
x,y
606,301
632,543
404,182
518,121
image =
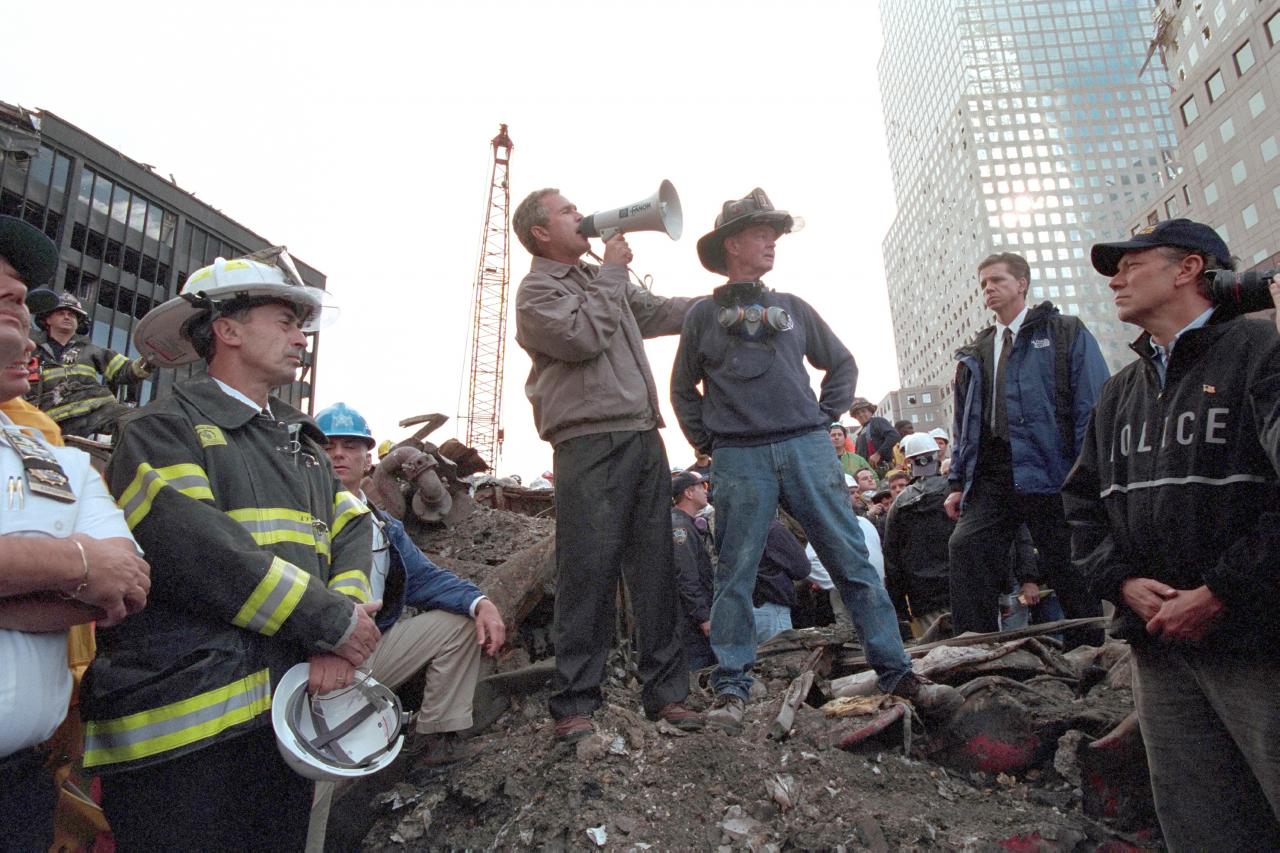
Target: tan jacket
x,y
583,326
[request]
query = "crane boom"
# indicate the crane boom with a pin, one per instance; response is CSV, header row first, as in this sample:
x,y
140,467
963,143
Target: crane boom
x,y
487,343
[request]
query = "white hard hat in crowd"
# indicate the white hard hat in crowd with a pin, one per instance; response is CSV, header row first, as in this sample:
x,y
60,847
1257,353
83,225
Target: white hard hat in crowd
x,y
918,444
343,734
162,336
939,432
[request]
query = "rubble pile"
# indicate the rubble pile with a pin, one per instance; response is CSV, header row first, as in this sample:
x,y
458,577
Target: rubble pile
x,y
1017,767
488,536
1042,755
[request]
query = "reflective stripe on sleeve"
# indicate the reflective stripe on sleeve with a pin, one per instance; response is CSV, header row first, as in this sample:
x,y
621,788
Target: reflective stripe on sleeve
x,y
354,583
1190,480
186,478
273,599
114,366
346,507
272,525
178,724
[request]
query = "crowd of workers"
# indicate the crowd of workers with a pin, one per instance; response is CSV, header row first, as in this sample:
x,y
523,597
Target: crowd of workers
x,y
250,602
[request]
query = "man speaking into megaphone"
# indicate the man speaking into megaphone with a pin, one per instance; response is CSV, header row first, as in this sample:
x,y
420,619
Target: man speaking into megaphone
x,y
595,401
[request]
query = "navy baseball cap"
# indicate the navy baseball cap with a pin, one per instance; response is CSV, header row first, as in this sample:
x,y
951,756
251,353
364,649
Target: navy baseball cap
x,y
1180,233
684,480
28,251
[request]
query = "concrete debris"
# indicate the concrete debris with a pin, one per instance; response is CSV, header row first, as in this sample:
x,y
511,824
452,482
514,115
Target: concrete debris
x,y
1038,757
1066,759
740,828
782,789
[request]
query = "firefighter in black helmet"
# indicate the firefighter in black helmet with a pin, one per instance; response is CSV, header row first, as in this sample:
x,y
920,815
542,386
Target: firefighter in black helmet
x,y
78,380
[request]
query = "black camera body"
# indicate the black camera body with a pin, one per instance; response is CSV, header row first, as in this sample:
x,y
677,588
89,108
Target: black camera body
x,y
1242,291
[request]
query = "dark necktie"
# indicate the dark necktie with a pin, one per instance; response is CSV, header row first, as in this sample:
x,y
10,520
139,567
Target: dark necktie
x,y
999,412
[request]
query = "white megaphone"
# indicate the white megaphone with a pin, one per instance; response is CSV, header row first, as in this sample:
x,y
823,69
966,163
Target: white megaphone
x,y
658,212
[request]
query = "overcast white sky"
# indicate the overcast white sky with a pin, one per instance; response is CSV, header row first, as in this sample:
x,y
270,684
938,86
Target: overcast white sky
x,y
357,134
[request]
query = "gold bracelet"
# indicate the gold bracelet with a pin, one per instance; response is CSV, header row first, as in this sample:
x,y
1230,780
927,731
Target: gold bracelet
x,y
84,579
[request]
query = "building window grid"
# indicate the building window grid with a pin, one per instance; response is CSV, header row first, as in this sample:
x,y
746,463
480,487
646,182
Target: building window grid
x,y
1243,58
36,190
1215,86
125,246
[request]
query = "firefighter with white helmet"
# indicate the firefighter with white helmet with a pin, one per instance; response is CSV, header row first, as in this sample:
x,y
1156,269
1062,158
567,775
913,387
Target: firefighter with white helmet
x,y
176,332
260,562
917,568
76,382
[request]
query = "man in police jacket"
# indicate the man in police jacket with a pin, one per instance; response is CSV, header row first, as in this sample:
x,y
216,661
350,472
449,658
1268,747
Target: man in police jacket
x,y
1173,507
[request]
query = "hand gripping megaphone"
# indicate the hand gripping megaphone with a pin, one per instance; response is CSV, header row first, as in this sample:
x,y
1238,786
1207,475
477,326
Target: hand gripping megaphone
x,y
658,212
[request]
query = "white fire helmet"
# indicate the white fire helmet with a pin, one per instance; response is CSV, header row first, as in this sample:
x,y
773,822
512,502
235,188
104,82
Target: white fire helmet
x,y
162,336
918,444
343,734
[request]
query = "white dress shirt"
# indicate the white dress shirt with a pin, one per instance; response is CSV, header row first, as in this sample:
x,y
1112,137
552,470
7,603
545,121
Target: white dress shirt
x,y
35,684
1013,328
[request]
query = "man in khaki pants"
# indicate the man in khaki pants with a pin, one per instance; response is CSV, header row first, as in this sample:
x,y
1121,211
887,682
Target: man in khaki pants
x,y
456,623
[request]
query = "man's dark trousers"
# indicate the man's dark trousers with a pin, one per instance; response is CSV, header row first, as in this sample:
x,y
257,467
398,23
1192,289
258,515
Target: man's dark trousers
x,y
980,549
27,801
613,517
235,795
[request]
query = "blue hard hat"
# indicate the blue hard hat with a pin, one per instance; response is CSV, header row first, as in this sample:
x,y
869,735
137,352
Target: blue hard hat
x,y
340,420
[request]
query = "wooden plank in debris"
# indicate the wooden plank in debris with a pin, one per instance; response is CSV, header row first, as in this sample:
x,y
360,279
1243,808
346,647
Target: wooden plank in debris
x,y
796,693
992,637
516,586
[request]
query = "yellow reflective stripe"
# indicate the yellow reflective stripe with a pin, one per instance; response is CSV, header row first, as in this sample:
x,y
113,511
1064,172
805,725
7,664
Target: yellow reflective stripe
x,y
273,599
354,583
113,367
50,374
186,478
178,724
79,407
271,525
346,507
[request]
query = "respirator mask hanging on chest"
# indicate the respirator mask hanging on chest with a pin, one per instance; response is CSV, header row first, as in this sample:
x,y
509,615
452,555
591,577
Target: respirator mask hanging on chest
x,y
751,327
751,320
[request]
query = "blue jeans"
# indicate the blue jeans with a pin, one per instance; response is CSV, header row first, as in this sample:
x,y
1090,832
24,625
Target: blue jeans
x,y
803,476
770,620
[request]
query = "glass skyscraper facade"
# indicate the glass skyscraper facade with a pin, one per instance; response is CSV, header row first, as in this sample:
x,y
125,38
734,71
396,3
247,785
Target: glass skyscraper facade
x,y
1020,127
1221,63
127,238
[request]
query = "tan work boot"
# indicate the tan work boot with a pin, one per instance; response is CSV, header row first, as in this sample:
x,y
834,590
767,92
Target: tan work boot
x,y
727,713
443,749
929,699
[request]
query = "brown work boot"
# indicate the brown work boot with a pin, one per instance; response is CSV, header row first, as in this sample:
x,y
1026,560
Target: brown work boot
x,y
928,698
727,713
443,749
573,728
679,716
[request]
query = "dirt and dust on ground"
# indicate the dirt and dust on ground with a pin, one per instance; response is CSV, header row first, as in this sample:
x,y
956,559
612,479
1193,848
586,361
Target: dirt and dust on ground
x,y
1042,756
1011,771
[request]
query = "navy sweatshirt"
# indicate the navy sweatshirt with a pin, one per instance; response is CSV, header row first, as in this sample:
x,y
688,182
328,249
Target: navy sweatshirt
x,y
755,389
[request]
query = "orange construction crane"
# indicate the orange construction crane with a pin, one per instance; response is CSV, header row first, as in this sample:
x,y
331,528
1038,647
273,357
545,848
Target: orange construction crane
x,y
487,345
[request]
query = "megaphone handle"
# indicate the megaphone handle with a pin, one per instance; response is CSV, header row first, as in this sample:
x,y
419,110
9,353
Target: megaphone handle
x,y
607,234
645,283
